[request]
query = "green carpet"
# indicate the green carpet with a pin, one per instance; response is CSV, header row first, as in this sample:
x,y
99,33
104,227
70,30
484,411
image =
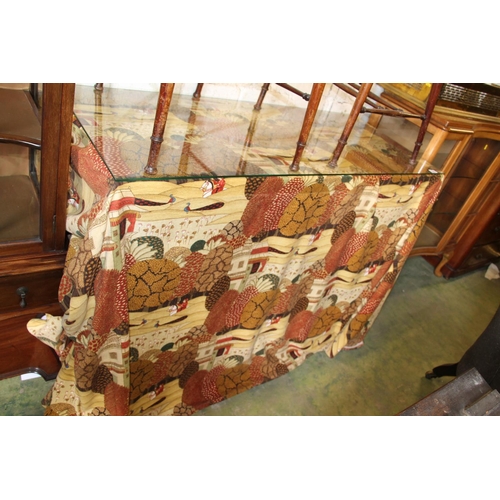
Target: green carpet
x,y
426,321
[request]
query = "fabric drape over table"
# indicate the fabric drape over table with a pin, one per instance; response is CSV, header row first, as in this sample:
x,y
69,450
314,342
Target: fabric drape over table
x,y
180,295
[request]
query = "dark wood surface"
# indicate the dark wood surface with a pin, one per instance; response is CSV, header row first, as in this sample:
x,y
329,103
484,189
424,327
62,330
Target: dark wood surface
x,y
20,352
57,122
56,137
37,263
39,286
470,200
480,244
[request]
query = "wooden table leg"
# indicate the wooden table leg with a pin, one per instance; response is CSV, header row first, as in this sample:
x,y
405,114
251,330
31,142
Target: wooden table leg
x,y
429,108
263,92
197,92
164,99
312,108
351,120
98,90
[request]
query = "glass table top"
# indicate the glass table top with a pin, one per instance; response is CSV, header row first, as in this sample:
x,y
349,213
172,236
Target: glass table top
x,y
213,137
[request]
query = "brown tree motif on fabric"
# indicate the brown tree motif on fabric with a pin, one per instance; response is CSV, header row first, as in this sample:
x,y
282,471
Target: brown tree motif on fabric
x,y
221,298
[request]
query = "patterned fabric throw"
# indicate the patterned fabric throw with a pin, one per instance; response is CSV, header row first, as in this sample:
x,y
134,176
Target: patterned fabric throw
x,y
178,296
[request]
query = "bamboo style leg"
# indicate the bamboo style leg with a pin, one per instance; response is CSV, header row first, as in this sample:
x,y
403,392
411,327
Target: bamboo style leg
x,y
263,92
351,120
164,100
197,92
98,90
429,108
312,108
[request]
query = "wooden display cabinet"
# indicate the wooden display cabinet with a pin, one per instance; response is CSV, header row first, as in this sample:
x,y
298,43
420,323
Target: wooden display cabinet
x,y
462,232
465,220
35,141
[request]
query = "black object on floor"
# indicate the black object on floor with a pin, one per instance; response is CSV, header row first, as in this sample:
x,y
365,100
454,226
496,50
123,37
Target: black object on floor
x,y
483,355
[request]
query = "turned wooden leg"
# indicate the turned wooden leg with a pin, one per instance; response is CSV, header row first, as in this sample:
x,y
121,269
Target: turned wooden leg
x,y
429,108
363,92
164,99
263,92
197,92
312,108
444,260
98,89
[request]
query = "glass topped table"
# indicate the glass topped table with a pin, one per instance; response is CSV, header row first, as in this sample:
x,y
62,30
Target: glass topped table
x,y
211,137
225,270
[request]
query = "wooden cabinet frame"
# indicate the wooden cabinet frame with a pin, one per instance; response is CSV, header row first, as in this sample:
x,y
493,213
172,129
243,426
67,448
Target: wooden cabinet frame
x,y
462,127
43,257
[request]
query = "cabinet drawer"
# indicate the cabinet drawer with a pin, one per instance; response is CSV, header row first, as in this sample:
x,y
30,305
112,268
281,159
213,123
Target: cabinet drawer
x,y
42,288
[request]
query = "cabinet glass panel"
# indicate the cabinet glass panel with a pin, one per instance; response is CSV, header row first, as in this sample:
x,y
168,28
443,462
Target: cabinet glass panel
x,y
462,181
20,142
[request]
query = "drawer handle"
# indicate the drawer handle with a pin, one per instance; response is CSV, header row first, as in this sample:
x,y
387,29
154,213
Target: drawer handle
x,y
22,291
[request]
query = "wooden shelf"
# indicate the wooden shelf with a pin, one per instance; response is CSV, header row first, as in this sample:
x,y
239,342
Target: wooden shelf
x,y
19,121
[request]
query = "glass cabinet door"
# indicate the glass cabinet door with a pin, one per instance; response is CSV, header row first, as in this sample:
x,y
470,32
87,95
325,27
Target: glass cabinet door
x,y
20,145
464,190
463,180
34,119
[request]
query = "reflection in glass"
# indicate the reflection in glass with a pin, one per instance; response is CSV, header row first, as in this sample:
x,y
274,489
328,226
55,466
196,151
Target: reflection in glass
x,y
213,137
